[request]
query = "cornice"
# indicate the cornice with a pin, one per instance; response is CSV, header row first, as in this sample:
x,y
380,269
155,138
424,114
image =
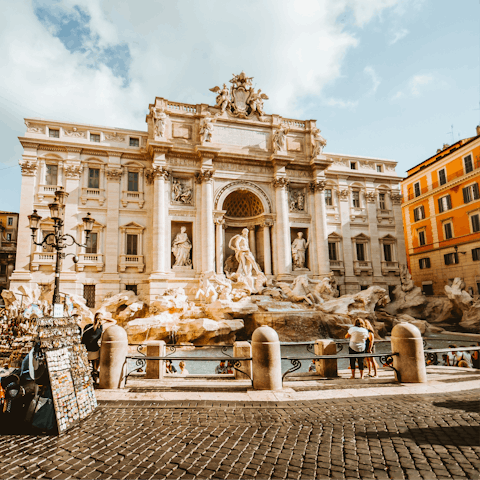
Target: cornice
x,y
28,144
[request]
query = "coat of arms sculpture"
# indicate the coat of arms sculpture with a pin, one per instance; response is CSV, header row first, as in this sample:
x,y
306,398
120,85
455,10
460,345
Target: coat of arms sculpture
x,y
241,100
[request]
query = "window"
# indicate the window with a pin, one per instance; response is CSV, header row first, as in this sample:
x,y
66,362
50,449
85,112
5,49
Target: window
x,y
442,176
417,189
134,142
94,137
360,247
422,239
476,254
131,288
424,263
427,289
133,181
468,163
471,193
93,178
132,244
451,258
53,133
444,203
448,230
89,295
328,197
356,198
419,213
10,221
332,251
379,169
9,237
475,219
381,201
387,252
51,176
353,165
92,243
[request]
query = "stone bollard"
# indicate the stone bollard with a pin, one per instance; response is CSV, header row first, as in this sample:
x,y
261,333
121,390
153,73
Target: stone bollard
x,y
243,349
155,368
112,357
266,359
410,363
326,368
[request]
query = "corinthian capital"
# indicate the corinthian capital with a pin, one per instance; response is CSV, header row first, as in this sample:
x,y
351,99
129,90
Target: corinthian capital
x,y
318,185
73,171
28,168
280,182
156,172
114,174
204,176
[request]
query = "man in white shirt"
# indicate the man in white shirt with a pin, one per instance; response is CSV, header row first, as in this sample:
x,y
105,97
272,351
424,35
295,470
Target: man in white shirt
x,y
358,336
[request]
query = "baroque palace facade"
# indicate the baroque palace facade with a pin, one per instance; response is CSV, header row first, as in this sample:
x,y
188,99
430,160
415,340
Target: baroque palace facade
x,y
202,174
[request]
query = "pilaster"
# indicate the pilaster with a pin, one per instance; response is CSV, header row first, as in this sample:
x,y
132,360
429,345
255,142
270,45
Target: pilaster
x,y
321,231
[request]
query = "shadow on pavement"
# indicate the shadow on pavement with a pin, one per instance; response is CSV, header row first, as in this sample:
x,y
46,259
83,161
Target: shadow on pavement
x,y
462,436
465,405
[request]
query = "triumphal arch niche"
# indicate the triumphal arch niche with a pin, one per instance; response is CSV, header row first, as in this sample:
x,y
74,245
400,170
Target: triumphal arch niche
x,y
231,166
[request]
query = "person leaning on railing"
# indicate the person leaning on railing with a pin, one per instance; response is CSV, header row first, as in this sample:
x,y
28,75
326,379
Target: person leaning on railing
x,y
358,336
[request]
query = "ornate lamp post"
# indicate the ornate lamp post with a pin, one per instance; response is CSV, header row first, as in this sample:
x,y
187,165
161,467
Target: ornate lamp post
x,y
58,240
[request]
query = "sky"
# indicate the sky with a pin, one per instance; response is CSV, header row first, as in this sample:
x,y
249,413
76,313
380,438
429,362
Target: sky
x,y
391,79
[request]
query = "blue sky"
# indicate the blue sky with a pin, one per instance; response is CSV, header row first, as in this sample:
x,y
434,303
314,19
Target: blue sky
x,y
383,78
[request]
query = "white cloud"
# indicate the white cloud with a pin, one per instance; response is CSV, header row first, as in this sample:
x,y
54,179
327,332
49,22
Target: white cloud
x,y
398,35
415,86
376,81
337,102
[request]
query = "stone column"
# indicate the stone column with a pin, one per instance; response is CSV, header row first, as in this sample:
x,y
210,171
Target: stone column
x,y
251,241
207,221
396,200
267,256
158,175
321,232
284,256
348,253
114,176
375,247
219,244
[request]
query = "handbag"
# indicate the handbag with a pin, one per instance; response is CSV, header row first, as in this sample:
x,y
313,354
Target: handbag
x,y
44,418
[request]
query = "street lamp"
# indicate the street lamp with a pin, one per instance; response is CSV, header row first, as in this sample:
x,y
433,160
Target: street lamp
x,y
59,240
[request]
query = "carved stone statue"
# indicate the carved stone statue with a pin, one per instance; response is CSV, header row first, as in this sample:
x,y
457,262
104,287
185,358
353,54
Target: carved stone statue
x,y
297,201
318,142
223,97
160,121
255,100
181,192
181,249
299,247
280,139
246,260
206,127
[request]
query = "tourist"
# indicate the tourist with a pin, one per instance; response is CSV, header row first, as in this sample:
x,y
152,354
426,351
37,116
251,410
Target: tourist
x,y
221,369
312,367
452,357
183,370
358,336
92,334
230,368
464,359
476,357
370,348
170,367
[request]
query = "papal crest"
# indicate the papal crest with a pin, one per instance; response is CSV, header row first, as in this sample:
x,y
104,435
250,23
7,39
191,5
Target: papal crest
x,y
241,101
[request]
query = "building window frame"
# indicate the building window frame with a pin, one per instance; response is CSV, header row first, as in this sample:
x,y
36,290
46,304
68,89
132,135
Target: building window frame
x,y
419,213
424,263
447,227
49,176
442,179
329,198
54,133
353,165
451,258
130,259
379,168
9,221
476,254
93,181
134,142
468,163
382,200
356,198
417,189
422,236
444,203
474,219
471,192
95,137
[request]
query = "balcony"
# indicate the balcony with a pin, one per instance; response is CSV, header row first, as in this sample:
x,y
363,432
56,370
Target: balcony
x,y
337,266
43,259
358,214
390,267
132,261
384,216
47,191
364,266
94,260
97,194
132,197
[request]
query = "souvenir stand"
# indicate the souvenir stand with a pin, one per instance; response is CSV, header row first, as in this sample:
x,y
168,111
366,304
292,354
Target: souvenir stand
x,y
68,370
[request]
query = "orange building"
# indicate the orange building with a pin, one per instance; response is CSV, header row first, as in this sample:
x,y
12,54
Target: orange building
x,y
8,247
441,215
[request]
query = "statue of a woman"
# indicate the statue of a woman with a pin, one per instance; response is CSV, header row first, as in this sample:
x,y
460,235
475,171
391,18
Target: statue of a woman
x,y
181,249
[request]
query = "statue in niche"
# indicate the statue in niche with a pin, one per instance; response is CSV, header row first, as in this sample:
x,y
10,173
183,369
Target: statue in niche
x,y
299,247
206,127
297,201
318,142
181,248
181,192
160,121
246,261
280,139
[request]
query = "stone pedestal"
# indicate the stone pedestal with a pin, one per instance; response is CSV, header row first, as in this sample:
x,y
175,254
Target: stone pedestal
x,y
266,359
410,363
326,368
155,368
112,357
243,349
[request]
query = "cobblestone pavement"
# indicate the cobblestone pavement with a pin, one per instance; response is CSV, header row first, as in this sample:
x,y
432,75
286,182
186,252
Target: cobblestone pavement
x,y
415,437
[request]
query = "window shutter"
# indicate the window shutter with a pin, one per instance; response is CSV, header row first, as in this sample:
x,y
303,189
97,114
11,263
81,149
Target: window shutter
x,y
422,210
427,261
415,214
449,202
476,193
466,195
440,204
